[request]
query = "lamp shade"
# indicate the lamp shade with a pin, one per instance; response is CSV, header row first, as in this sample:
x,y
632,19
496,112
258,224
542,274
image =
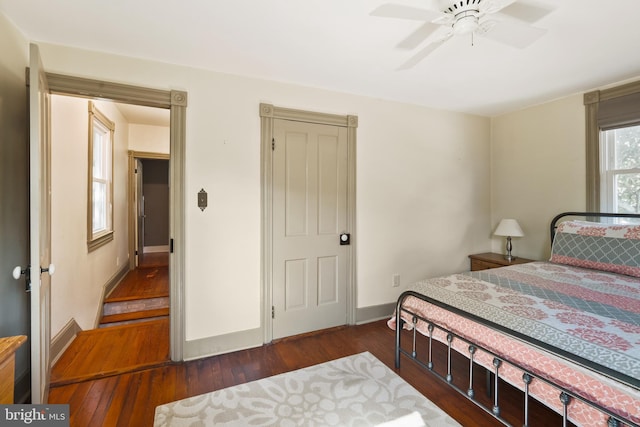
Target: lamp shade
x,y
509,227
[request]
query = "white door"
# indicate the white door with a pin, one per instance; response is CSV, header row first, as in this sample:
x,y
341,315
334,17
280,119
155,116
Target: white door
x,y
310,267
40,226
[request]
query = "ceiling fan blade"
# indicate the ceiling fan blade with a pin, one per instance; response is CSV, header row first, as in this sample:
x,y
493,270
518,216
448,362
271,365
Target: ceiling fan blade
x,y
511,33
418,36
424,52
492,6
527,12
392,10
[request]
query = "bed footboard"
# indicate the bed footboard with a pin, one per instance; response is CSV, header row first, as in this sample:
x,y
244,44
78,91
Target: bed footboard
x,y
566,397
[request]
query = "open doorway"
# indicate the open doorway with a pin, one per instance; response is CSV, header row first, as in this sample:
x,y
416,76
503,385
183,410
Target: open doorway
x,y
175,102
150,207
86,271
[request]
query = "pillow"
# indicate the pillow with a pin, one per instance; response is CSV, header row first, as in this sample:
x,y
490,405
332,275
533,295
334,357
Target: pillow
x,y
606,247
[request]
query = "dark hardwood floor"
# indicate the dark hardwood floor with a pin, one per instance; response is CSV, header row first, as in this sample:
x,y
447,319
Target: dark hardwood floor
x,y
121,398
117,375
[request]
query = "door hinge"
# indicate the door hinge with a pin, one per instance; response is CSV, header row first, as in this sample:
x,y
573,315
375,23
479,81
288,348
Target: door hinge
x,y
135,170
171,246
273,144
273,312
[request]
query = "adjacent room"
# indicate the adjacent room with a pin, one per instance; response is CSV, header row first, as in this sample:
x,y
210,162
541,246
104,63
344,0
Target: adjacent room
x,y
224,193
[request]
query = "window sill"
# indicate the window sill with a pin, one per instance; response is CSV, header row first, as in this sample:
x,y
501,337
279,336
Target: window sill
x,y
99,241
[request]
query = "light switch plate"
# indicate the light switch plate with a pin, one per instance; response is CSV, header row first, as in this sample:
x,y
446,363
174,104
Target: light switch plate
x,y
202,199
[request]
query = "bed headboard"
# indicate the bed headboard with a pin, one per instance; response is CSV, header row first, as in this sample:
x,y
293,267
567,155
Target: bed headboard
x,y
557,218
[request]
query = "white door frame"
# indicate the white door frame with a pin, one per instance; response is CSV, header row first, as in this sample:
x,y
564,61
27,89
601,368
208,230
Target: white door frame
x,y
176,101
268,113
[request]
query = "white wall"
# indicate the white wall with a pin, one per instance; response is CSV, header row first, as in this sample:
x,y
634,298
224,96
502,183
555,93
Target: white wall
x,y
148,138
78,284
423,195
537,170
422,184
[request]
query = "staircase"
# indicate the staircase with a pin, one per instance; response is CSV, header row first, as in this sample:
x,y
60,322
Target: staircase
x,y
141,296
125,311
133,334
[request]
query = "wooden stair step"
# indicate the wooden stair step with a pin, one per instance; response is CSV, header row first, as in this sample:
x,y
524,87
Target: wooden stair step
x,y
134,315
134,305
125,298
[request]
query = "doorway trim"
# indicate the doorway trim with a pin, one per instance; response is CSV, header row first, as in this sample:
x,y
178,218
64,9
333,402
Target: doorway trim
x,y
269,113
176,101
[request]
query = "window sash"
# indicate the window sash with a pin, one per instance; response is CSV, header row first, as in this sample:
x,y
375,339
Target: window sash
x,y
620,186
100,188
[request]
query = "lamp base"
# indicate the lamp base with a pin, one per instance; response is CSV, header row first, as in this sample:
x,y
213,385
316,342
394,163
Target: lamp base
x,y
508,256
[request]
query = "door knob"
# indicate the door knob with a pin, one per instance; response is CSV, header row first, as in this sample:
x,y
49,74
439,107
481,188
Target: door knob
x,y
18,271
345,239
51,269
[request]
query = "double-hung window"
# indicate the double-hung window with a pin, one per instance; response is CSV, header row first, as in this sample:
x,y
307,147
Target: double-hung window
x,y
620,169
613,149
100,194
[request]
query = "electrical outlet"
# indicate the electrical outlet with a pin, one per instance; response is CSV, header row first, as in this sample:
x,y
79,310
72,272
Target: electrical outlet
x,y
395,280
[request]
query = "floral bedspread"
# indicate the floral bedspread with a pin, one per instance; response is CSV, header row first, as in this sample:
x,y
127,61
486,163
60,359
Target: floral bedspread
x,y
594,315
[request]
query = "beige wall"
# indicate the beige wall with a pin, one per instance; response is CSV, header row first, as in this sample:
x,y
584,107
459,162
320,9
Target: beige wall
x,y
78,285
148,138
422,178
537,170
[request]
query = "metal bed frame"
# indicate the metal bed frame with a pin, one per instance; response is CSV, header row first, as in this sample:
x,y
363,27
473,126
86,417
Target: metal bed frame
x,y
565,396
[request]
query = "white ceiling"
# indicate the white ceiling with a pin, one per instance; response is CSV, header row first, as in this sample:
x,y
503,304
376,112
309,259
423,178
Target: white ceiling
x,y
338,45
145,115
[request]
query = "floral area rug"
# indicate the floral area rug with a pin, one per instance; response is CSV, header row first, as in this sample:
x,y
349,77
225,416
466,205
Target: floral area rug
x,y
357,390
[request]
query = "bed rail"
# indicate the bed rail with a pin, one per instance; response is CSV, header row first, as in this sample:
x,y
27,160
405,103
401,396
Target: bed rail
x,y
557,218
427,361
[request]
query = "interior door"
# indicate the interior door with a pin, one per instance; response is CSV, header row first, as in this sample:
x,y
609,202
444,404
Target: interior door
x,y
40,226
140,211
310,267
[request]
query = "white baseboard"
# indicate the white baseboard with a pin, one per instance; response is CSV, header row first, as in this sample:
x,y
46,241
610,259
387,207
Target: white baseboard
x,y
155,249
63,339
211,346
374,312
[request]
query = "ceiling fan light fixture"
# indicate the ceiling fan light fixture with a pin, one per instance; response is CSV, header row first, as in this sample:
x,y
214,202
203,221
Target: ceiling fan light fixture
x,y
465,23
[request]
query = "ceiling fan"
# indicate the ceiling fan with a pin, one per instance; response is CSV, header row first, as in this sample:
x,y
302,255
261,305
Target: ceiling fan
x,y
512,25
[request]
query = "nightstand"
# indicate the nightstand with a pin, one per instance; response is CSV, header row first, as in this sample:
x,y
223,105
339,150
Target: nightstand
x,y
492,260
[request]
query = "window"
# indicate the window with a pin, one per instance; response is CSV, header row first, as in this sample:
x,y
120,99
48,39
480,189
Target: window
x,y
100,205
620,169
613,149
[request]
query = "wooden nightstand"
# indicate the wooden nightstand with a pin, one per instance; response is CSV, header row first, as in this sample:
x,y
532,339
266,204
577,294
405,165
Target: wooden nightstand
x,y
492,260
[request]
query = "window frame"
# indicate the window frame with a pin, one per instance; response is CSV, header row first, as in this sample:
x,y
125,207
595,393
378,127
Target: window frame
x,y
592,102
609,173
104,236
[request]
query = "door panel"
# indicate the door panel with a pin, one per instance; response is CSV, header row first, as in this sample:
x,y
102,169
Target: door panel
x,y
295,284
40,225
297,182
309,212
328,280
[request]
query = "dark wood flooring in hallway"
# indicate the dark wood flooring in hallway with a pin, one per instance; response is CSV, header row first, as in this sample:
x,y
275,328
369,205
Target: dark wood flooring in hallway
x,y
134,334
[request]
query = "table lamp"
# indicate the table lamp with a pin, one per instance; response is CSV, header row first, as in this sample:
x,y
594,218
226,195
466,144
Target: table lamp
x,y
509,228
